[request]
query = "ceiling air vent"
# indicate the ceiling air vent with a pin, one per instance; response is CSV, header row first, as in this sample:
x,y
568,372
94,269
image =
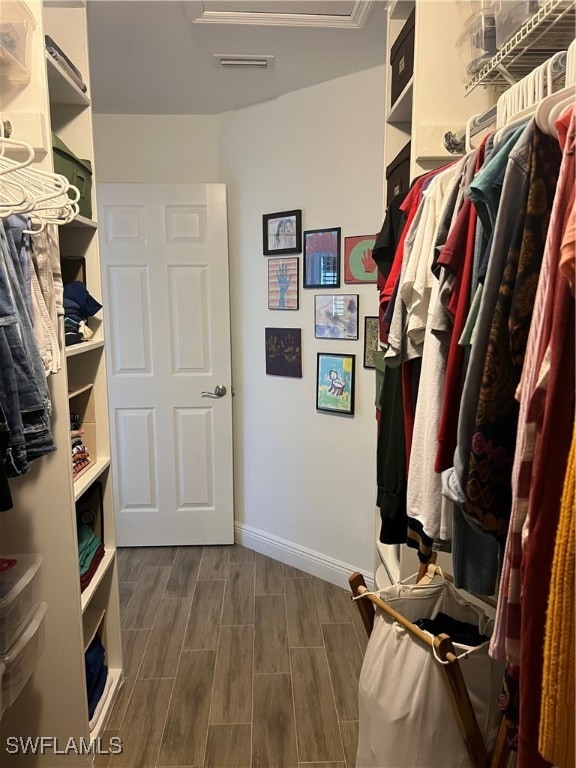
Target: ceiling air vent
x,y
242,60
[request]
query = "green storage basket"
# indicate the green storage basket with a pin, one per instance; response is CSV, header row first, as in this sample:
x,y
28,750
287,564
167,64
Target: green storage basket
x,y
78,172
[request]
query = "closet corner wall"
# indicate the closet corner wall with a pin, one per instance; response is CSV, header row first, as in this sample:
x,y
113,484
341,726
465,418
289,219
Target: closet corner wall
x,y
432,102
54,701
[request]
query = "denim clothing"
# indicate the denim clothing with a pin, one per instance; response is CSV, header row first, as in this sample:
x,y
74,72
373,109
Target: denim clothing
x,y
24,395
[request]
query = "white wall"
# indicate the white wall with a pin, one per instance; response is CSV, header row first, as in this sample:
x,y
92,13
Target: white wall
x,y
156,148
303,476
305,482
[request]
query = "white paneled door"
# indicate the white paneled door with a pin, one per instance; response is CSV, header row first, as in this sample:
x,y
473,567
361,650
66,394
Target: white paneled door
x,y
166,302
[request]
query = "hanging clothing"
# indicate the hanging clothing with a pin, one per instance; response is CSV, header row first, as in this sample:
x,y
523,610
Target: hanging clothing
x,y
548,473
475,559
557,736
506,639
24,396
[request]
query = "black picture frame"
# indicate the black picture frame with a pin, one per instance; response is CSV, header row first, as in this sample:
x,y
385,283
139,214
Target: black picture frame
x,y
283,283
335,383
371,339
282,233
322,258
336,316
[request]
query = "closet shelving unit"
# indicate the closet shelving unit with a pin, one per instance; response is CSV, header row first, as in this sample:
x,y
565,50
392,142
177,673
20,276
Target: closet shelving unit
x,y
54,702
549,30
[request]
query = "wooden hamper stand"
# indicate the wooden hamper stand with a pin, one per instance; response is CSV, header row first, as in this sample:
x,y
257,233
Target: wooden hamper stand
x,y
455,684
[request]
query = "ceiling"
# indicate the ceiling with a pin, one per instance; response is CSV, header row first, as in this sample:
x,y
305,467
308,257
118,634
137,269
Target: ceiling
x,y
158,56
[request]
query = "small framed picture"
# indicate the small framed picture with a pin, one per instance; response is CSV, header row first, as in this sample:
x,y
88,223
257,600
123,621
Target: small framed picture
x,y
336,316
371,336
359,266
335,383
282,233
322,258
284,352
283,283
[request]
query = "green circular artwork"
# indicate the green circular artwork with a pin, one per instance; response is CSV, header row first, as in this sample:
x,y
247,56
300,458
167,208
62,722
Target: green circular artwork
x,y
361,267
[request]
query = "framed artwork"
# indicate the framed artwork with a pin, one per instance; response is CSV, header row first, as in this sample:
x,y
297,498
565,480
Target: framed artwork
x,y
359,266
283,283
282,233
335,383
336,316
371,336
322,258
284,352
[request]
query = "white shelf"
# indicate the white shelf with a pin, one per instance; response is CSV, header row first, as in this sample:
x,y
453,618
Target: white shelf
x,y
93,618
75,392
84,346
90,590
61,88
81,222
116,675
88,476
401,110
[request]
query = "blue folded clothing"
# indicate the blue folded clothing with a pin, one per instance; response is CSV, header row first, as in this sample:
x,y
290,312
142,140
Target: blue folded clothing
x,y
83,303
93,661
95,694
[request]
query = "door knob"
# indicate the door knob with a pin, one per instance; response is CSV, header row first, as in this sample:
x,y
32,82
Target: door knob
x,y
219,391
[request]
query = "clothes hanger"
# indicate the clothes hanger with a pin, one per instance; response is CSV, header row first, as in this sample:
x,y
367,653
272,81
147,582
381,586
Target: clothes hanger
x,y
550,109
49,195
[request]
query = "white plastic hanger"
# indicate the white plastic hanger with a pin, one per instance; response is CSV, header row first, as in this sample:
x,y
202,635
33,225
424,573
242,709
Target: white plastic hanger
x,y
48,196
550,109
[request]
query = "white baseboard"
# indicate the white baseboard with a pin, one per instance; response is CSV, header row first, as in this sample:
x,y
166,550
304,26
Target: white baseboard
x,y
305,559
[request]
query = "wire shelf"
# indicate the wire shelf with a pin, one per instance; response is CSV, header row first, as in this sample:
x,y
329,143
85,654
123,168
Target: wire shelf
x,y
549,30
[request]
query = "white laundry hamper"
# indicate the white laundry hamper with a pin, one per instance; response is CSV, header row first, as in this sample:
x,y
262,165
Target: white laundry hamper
x,y
406,718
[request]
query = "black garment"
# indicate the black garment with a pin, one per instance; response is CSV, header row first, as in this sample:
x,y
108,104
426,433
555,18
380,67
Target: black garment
x,y
5,495
460,631
391,460
387,241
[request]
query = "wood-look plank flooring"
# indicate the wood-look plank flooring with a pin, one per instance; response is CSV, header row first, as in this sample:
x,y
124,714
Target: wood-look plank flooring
x,y
233,660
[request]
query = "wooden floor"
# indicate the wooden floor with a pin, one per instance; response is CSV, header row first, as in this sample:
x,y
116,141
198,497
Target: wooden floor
x,y
233,660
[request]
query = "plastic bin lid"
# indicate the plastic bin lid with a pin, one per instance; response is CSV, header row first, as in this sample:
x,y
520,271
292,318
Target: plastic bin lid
x,y
29,631
13,581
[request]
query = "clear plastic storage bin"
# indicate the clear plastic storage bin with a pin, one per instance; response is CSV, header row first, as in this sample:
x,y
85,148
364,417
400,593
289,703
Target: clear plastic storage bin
x,y
18,597
477,44
22,658
509,16
468,8
16,27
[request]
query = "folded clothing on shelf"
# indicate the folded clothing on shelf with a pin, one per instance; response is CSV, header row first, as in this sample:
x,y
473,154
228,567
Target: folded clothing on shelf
x,y
58,55
101,702
80,454
86,578
96,673
79,305
90,554
88,543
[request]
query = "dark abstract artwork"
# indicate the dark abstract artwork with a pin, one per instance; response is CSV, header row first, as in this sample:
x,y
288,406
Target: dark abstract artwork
x,y
284,352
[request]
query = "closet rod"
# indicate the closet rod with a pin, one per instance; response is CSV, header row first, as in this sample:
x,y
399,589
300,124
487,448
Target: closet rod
x,y
455,143
5,129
